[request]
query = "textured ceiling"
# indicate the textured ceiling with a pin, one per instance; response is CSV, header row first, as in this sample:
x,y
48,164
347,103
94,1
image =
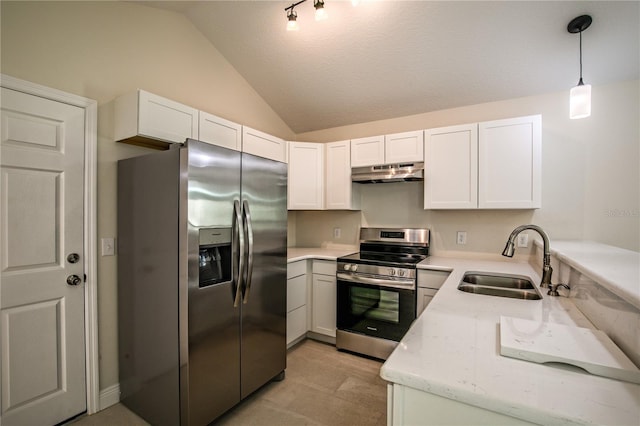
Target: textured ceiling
x,y
385,59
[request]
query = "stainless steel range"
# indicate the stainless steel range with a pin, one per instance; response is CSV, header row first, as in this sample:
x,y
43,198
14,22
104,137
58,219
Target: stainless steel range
x,y
376,293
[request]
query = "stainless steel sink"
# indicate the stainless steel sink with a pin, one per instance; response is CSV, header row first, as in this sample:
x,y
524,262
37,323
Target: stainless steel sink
x,y
498,280
501,285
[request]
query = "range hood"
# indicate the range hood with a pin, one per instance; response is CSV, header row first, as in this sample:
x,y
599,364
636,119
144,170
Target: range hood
x,y
388,173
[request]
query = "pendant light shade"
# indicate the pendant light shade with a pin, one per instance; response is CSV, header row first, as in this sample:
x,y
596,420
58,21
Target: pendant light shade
x,y
580,101
580,96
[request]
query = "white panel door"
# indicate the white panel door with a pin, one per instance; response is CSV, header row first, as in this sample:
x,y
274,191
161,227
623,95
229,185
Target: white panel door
x,y
509,158
340,192
407,147
451,167
323,315
218,131
263,145
306,176
367,151
41,219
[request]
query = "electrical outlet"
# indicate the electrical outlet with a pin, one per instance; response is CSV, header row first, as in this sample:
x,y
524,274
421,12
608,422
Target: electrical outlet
x,y
461,237
523,240
336,232
108,247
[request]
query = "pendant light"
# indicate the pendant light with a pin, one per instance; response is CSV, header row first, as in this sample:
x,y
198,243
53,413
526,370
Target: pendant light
x,y
580,96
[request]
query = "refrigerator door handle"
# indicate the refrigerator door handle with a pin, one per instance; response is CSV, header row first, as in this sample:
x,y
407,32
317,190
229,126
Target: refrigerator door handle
x,y
249,230
238,258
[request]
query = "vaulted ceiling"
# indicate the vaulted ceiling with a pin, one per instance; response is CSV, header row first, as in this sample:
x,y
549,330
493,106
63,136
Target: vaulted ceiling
x,y
386,59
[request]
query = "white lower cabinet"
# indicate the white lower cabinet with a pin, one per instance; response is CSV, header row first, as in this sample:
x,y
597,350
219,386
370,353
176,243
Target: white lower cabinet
x,y
408,406
429,281
323,295
296,301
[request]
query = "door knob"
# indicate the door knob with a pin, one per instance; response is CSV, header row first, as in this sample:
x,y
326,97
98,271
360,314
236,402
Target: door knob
x,y
73,258
73,280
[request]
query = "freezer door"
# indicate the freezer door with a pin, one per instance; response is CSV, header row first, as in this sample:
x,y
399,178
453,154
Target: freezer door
x,y
213,346
263,347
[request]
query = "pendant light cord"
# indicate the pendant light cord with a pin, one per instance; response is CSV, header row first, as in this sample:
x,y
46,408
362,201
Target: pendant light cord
x,y
580,82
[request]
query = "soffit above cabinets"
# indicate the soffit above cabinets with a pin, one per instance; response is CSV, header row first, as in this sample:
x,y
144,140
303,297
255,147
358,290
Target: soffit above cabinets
x,y
386,59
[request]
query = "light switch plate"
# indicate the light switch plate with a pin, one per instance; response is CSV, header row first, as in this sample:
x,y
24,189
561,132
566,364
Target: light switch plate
x,y
108,247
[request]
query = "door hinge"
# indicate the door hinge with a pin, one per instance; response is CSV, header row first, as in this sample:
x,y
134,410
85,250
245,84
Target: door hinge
x,y
85,278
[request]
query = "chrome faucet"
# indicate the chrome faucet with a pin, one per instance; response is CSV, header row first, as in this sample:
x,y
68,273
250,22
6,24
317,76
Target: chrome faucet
x,y
510,249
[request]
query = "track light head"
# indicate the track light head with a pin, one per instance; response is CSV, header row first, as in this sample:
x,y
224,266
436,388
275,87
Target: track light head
x,y
292,23
321,13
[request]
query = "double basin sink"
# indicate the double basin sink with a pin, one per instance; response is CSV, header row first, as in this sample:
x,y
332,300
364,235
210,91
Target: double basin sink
x,y
502,285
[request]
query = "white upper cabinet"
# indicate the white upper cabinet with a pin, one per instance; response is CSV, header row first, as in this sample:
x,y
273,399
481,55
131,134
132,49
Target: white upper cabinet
x,y
144,118
509,163
367,151
340,192
306,176
263,145
490,165
451,167
221,132
404,147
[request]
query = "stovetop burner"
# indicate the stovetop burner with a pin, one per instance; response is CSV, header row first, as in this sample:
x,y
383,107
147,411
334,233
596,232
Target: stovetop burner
x,y
384,259
402,248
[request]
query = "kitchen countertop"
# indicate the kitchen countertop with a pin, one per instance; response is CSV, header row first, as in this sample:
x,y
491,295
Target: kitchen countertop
x,y
452,350
616,269
323,253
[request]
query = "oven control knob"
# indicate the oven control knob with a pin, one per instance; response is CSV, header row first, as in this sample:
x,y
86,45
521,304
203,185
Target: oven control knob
x,y
392,272
347,266
401,272
354,267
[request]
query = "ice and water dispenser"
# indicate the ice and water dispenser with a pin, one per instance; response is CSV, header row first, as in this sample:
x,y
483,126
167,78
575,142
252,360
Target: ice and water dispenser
x,y
215,256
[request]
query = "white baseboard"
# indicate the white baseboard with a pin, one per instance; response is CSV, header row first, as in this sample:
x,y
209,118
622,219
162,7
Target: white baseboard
x,y
109,396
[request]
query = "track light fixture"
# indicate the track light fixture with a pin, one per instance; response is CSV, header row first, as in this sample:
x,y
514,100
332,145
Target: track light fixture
x,y
320,14
580,96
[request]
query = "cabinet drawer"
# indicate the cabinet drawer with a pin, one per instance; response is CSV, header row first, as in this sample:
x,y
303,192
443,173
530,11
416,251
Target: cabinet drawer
x,y
296,323
296,292
325,267
295,269
432,279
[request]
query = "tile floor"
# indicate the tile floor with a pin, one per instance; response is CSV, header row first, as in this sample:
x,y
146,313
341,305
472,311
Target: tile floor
x,y
322,387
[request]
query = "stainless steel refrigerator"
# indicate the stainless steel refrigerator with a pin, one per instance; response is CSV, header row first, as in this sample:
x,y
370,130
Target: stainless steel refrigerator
x,y
202,240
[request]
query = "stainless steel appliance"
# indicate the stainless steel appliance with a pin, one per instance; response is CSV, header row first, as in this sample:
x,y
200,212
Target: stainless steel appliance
x,y
376,294
201,280
388,173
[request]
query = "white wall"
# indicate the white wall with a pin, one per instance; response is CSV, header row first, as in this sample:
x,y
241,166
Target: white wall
x,y
101,50
590,177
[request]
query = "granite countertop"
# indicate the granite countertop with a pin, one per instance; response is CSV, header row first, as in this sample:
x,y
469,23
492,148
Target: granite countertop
x,y
323,253
453,350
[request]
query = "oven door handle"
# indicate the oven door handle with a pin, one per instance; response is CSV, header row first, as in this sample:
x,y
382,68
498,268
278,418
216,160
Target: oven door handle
x,y
402,283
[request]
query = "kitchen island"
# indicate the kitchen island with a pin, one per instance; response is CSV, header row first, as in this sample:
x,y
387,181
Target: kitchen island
x,y
448,368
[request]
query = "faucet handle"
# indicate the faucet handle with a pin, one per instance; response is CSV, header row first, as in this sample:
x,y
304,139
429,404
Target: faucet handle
x,y
553,289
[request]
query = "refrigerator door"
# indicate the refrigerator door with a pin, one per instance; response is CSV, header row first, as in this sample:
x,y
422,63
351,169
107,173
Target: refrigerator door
x,y
264,198
213,323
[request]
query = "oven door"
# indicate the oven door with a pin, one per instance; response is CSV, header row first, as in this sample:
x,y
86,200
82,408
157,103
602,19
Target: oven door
x,y
373,308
